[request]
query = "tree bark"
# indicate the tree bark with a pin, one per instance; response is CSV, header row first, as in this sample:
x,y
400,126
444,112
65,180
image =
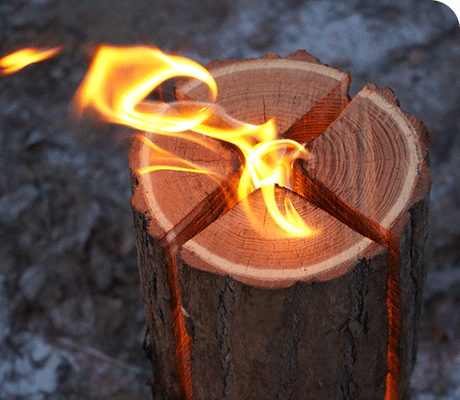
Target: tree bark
x,y
333,316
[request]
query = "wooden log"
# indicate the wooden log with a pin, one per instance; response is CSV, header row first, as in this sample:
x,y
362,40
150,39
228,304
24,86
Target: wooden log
x,y
332,316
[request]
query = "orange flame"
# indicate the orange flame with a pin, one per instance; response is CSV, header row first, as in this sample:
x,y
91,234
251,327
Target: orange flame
x,y
117,85
22,58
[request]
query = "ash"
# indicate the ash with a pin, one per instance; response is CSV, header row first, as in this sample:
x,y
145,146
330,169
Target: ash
x,y
71,317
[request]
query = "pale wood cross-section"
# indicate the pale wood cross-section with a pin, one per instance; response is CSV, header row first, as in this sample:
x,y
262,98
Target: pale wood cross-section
x,y
271,316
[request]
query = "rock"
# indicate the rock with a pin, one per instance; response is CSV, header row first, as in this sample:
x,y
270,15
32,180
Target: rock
x,y
31,282
13,204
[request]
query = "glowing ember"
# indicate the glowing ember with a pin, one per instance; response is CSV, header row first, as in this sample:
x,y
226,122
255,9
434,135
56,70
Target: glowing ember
x,y
24,57
117,85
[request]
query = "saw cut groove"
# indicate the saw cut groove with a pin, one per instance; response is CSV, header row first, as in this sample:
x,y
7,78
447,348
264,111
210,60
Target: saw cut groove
x,y
319,195
181,337
321,115
221,200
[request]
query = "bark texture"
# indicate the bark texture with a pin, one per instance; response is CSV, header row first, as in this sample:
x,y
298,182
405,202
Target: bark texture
x,y
312,340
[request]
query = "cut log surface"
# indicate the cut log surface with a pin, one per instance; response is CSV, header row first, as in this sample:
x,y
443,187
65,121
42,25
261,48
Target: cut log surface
x,y
276,317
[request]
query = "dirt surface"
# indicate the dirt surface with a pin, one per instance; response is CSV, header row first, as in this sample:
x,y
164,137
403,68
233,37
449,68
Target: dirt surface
x,y
71,317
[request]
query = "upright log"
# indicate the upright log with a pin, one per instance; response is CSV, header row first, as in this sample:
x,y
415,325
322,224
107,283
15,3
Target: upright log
x,y
332,316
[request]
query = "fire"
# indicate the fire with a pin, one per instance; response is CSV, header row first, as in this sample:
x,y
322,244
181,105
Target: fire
x,y
116,87
24,57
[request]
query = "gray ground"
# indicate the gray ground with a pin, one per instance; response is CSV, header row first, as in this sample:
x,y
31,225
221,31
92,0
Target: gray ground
x,y
71,319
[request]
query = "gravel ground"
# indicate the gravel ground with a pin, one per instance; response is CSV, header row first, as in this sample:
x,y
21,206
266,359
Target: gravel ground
x,y
71,318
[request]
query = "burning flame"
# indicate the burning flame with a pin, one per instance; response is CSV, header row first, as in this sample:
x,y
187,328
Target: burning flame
x,y
24,57
117,85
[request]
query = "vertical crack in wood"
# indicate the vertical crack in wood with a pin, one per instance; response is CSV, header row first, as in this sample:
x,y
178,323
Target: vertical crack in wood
x,y
290,351
354,327
348,386
226,300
